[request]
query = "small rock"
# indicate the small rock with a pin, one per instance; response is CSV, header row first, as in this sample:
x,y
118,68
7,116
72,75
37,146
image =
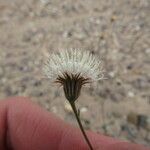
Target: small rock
x,y
129,67
68,107
113,18
142,121
3,80
23,68
118,81
36,83
141,83
132,118
129,130
45,1
86,124
137,27
10,91
112,129
147,51
54,109
130,94
80,35
138,119
112,74
83,109
67,34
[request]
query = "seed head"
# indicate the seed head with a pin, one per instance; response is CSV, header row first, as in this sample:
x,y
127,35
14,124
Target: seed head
x,y
72,69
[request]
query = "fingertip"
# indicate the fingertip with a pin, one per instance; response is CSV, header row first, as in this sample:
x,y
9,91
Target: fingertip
x,y
31,127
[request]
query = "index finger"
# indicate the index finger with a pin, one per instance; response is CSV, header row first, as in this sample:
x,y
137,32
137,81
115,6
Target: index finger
x,y
28,127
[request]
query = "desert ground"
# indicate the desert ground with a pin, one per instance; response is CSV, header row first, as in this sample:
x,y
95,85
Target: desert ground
x,y
117,31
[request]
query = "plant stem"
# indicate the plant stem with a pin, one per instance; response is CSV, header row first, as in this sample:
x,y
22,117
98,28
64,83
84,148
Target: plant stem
x,y
80,125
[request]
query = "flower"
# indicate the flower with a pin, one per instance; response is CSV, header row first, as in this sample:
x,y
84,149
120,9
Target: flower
x,y
72,69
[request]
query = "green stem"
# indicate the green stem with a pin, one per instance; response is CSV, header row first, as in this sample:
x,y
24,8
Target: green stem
x,y
80,125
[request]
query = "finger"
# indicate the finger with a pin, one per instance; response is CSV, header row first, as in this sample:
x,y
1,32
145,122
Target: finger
x,y
28,127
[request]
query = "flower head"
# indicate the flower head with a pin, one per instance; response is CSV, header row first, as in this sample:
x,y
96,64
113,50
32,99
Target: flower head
x,y
72,69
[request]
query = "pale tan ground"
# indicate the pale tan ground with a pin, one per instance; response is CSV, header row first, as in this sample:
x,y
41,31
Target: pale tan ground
x,y
117,31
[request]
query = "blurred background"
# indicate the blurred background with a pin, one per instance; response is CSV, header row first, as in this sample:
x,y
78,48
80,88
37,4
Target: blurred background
x,y
117,31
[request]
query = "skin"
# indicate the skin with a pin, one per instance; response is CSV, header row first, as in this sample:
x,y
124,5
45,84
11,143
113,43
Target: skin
x,y
26,126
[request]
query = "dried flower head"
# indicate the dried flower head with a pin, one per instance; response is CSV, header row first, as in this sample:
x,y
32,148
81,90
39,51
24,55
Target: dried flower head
x,y
72,69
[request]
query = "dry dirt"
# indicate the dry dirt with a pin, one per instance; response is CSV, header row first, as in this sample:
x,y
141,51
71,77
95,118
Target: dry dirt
x,y
117,31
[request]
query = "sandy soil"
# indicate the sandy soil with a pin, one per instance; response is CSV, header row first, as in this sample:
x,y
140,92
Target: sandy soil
x,y
117,31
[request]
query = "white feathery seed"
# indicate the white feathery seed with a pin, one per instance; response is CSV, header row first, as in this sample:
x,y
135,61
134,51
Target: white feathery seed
x,y
73,62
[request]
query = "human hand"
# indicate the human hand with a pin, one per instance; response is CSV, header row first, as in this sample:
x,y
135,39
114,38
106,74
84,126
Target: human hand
x,y
26,126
